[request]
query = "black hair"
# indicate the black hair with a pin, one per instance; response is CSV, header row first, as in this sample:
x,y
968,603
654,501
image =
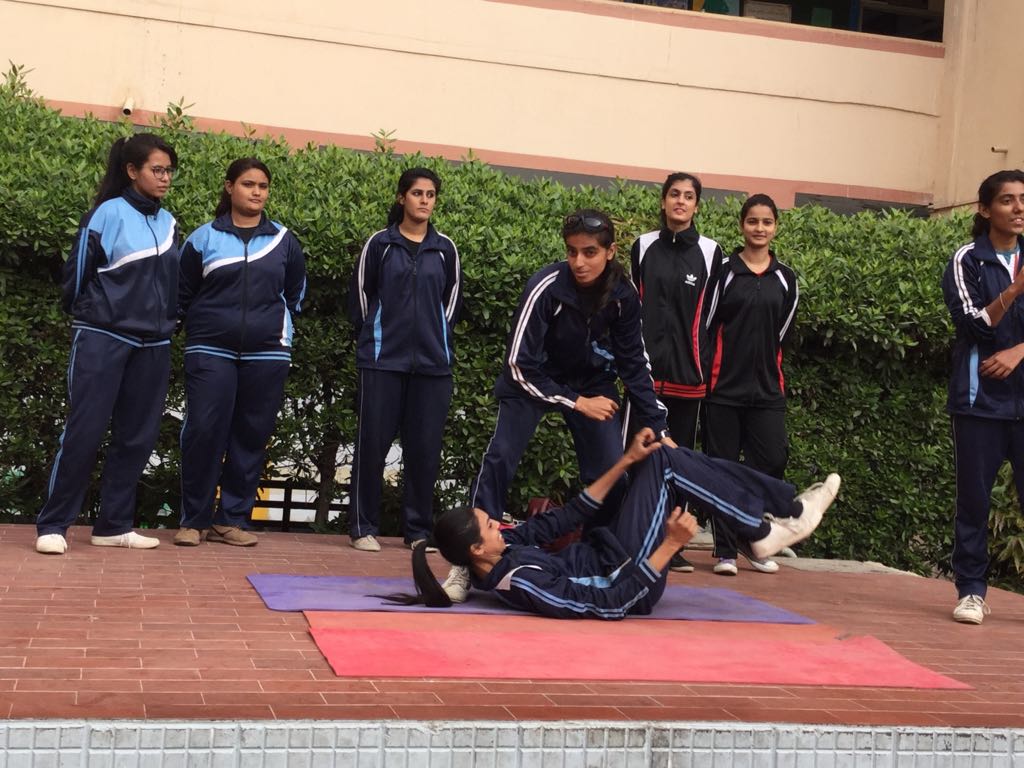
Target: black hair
x,y
671,179
987,192
405,182
129,150
236,169
590,221
759,199
455,532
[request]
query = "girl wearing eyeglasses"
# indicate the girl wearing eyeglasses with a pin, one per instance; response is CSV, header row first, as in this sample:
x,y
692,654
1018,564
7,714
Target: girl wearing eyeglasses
x,y
575,334
120,287
243,277
404,302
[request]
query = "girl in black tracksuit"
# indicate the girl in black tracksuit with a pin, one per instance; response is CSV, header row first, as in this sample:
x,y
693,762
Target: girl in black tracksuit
x,y
243,277
404,302
753,305
982,286
672,269
120,286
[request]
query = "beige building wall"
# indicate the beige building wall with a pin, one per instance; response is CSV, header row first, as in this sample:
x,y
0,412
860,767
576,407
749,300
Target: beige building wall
x,y
584,86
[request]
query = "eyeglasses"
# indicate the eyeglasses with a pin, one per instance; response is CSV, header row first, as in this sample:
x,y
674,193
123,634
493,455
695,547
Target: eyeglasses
x,y
161,172
588,223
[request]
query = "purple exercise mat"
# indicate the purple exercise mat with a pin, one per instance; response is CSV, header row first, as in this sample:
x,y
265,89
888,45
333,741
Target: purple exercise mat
x,y
284,592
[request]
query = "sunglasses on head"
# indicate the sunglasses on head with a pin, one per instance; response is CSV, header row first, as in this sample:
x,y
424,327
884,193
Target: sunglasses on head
x,y
588,223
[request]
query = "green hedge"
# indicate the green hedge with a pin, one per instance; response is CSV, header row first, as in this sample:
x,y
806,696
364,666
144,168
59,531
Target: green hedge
x,y
866,373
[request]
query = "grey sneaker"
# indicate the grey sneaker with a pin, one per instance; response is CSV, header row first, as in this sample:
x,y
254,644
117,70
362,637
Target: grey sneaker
x,y
971,610
726,566
456,586
366,544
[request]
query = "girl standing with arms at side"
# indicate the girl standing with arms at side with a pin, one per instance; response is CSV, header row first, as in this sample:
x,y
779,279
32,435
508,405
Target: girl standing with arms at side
x,y
753,305
243,276
121,287
982,286
672,269
404,302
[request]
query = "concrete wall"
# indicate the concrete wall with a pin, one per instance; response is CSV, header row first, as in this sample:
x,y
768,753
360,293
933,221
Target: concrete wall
x,y
578,86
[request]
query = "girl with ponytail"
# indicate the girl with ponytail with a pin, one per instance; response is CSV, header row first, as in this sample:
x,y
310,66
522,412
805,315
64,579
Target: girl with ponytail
x,y
120,287
618,570
982,284
404,301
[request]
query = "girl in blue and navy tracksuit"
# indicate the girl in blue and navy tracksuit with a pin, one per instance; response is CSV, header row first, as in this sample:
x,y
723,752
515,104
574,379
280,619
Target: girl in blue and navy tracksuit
x,y
243,277
982,285
752,313
404,302
575,334
120,286
618,570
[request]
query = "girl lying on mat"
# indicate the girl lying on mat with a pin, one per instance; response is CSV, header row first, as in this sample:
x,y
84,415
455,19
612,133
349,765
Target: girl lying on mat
x,y
619,568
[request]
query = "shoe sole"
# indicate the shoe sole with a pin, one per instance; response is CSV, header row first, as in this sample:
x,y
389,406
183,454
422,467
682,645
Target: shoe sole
x,y
123,546
220,540
965,620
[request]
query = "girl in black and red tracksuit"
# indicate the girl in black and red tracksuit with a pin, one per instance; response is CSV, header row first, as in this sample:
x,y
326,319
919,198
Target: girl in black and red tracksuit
x,y
672,269
404,302
575,333
120,286
243,277
753,306
982,286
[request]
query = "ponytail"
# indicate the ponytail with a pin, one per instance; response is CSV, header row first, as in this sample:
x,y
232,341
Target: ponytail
x,y
129,150
455,532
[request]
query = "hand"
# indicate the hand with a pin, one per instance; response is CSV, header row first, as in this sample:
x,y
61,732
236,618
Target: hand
x,y
1002,363
598,408
680,527
666,440
644,444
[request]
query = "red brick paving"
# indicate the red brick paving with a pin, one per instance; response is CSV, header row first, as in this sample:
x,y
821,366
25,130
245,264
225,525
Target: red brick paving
x,y
178,633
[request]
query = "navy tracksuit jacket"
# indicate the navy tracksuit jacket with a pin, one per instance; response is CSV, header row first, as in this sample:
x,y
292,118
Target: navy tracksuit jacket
x,y
403,307
556,352
986,412
237,299
120,285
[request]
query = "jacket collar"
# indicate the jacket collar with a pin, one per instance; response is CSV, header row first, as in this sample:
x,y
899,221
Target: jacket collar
x,y
223,223
739,267
685,239
431,240
147,206
985,251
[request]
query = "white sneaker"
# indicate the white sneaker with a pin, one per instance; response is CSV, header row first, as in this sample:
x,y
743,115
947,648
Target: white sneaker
x,y
51,544
366,544
130,540
456,586
971,610
726,566
761,565
787,531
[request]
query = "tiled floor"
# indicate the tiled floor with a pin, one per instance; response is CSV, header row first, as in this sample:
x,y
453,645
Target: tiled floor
x,y
179,633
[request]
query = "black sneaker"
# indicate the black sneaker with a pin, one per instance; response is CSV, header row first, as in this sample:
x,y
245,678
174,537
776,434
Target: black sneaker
x,y
680,564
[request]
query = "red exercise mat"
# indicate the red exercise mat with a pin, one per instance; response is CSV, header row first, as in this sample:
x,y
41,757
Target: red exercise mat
x,y
532,648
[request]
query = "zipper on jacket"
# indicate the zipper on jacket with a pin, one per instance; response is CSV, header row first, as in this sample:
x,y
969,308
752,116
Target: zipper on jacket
x,y
415,303
245,296
152,272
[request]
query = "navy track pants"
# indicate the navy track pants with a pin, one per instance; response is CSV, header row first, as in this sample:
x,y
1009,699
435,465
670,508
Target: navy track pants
x,y
980,446
722,490
230,412
598,446
414,408
117,384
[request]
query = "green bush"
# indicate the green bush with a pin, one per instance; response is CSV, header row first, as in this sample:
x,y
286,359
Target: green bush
x,y
866,373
